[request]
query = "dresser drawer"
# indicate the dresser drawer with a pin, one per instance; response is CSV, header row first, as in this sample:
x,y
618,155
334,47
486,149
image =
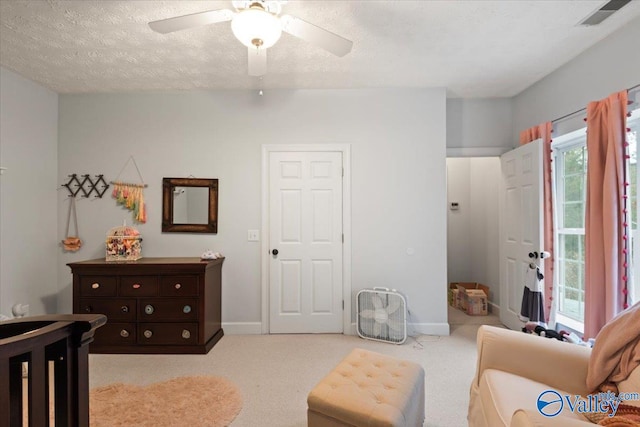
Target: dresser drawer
x,y
179,286
116,334
168,309
138,286
167,333
98,286
123,310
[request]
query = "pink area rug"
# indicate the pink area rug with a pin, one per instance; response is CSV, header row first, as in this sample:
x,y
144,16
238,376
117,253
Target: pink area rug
x,y
184,401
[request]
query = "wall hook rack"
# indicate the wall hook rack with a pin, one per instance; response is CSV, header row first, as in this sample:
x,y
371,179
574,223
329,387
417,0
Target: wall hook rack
x,y
86,185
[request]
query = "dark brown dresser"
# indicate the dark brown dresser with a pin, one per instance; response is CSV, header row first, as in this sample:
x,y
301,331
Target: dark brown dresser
x,y
153,305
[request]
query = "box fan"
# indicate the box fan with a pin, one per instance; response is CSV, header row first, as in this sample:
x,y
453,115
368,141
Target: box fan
x,y
382,315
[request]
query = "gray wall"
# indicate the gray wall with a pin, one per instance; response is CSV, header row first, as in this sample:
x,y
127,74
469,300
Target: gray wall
x,y
479,126
398,201
611,65
28,236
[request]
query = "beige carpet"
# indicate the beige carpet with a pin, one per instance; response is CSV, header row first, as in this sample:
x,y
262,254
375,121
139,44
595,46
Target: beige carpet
x,y
276,372
185,401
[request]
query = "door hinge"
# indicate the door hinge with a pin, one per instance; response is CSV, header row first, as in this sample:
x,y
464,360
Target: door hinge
x,y
342,237
343,304
343,172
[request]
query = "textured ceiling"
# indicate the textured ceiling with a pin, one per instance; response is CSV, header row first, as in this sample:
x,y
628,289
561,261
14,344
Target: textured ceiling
x,y
473,48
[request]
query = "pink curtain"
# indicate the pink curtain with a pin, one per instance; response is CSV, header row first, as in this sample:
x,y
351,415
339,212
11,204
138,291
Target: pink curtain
x,y
544,131
605,219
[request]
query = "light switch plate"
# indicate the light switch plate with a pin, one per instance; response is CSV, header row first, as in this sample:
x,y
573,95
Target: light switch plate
x,y
253,235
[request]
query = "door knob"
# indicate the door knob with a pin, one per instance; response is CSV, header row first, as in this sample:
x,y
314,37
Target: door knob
x,y
275,252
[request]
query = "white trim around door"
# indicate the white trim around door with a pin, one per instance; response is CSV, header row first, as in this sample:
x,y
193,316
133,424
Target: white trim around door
x,y
345,149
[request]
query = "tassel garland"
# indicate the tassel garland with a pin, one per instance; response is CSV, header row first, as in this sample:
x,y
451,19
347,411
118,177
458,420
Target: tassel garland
x,y
131,196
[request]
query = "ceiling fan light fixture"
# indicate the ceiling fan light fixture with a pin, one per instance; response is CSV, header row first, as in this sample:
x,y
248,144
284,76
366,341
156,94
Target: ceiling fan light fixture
x,y
255,27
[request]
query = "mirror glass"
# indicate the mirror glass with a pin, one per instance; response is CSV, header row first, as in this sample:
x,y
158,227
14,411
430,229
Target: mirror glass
x,y
190,205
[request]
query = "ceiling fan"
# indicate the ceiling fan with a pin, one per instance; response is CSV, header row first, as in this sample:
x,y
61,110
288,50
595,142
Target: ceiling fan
x,y
258,25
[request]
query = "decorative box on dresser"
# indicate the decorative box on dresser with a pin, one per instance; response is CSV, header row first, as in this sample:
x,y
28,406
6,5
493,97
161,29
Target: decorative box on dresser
x,y
153,305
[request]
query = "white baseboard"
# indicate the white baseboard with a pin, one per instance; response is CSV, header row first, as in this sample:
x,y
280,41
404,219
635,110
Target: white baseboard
x,y
255,328
495,309
242,328
441,329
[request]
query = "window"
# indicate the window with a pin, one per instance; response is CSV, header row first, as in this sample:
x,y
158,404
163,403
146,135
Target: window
x,y
570,161
570,167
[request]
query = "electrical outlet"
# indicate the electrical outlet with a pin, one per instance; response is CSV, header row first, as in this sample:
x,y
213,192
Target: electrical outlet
x,y
253,235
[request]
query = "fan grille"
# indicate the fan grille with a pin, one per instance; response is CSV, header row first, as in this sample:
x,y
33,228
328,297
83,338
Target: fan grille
x,y
382,316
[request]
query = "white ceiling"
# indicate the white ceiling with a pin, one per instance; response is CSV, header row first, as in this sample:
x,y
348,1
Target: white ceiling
x,y
473,48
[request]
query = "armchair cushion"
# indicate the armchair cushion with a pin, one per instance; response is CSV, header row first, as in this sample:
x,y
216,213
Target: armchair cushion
x,y
513,369
503,393
560,365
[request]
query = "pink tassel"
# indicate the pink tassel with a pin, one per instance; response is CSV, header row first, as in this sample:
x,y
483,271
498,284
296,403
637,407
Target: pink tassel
x,y
625,305
624,251
628,129
627,156
624,279
585,119
625,224
625,265
624,291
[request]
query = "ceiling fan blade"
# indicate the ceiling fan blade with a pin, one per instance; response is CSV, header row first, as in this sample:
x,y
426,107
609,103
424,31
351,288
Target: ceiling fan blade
x,y
319,36
199,19
257,61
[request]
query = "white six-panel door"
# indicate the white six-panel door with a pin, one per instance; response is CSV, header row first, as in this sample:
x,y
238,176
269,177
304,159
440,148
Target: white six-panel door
x,y
305,228
521,225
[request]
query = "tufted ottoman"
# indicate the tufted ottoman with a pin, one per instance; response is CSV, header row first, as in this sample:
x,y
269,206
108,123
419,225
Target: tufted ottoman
x,y
369,389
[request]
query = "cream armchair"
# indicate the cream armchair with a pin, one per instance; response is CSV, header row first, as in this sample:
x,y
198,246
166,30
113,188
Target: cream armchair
x,y
514,368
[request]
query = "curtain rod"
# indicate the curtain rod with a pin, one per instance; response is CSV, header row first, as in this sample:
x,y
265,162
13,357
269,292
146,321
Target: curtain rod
x,y
584,109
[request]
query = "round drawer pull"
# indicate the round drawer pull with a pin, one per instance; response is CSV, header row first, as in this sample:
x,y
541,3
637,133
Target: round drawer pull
x,y
95,285
88,309
136,286
148,309
124,309
186,334
148,334
124,333
178,286
186,309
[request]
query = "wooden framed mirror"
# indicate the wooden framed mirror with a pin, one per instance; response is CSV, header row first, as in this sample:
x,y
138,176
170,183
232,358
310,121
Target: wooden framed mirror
x,y
190,205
